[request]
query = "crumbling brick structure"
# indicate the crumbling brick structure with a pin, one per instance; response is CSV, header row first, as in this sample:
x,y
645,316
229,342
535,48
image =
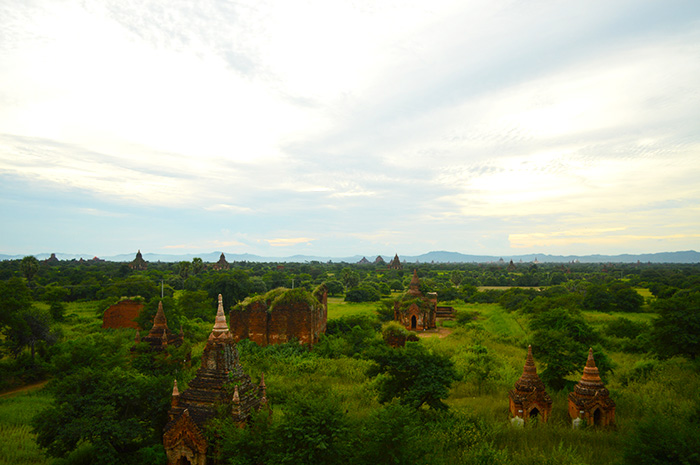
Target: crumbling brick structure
x,y
280,316
122,314
590,400
415,310
528,398
220,387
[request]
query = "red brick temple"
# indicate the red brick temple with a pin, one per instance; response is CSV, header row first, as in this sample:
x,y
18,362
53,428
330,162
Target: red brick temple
x,y
590,400
160,336
220,387
528,398
414,310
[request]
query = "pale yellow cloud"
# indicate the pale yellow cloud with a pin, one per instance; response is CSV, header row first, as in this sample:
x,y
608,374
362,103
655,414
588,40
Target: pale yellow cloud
x,y
287,242
593,237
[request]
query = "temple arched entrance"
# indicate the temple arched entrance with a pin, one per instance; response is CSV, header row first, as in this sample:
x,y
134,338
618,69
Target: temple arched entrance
x,y
414,322
596,417
534,413
183,461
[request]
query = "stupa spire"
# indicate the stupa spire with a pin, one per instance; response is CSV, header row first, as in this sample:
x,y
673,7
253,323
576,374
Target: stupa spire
x,y
220,325
160,321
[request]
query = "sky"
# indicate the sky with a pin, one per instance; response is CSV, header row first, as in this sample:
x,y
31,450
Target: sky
x,y
338,128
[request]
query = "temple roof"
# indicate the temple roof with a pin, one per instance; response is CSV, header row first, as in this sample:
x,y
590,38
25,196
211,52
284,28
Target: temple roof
x,y
591,375
529,381
414,287
220,325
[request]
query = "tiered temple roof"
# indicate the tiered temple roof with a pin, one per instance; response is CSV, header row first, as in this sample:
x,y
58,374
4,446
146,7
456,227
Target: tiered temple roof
x,y
395,264
138,263
528,398
591,400
222,264
160,335
220,381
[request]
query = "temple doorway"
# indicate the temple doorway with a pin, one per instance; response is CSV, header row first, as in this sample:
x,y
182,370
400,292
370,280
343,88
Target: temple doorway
x,y
183,461
534,413
414,322
596,417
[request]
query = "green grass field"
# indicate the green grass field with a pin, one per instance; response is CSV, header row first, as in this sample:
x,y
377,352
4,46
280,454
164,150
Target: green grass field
x,y
338,308
17,444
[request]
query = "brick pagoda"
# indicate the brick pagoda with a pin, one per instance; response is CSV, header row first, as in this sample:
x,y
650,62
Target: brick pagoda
x,y
528,398
220,385
414,310
590,400
160,336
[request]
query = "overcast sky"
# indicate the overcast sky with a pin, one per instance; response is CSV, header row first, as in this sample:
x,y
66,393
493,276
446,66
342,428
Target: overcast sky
x,y
349,127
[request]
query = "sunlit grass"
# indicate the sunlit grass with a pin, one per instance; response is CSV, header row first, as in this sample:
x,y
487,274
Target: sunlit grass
x,y
338,308
17,445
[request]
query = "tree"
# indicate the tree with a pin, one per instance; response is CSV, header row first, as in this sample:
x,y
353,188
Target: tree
x,y
335,287
313,430
677,329
197,265
626,299
29,267
362,294
30,327
413,375
15,299
119,412
477,364
560,337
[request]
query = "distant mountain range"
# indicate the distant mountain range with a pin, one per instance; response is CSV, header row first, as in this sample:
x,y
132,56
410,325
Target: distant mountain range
x,y
689,256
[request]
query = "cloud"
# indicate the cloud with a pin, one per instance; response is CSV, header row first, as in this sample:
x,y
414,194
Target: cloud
x,y
288,242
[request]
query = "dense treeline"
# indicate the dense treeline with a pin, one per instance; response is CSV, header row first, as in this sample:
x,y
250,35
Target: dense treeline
x,y
353,398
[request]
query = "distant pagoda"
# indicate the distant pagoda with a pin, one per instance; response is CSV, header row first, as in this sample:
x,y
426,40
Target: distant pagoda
x,y
395,264
222,264
138,263
528,398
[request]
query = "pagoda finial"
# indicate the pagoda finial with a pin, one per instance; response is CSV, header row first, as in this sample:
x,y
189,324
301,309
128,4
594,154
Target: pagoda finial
x,y
591,361
236,397
176,392
530,360
220,325
160,320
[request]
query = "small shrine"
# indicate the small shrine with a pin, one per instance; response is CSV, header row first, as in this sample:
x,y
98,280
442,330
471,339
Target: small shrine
x,y
160,336
414,310
221,387
528,398
590,401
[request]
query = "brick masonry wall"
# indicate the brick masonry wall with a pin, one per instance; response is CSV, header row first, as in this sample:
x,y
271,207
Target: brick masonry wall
x,y
122,315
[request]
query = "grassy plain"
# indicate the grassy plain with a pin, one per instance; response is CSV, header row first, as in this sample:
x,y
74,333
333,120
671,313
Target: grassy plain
x,y
504,334
17,444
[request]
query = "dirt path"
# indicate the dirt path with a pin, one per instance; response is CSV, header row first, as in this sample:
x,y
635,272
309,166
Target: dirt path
x,y
19,390
440,331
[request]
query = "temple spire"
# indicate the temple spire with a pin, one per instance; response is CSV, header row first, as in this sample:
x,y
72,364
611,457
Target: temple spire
x,y
160,321
220,325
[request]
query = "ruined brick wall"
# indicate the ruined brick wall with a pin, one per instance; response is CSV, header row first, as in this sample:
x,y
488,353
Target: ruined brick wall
x,y
299,321
122,315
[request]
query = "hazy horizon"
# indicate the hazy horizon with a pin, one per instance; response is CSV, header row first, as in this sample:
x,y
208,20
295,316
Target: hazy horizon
x,y
280,129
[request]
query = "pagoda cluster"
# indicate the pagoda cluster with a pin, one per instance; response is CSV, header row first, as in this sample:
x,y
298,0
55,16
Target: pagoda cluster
x,y
590,401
